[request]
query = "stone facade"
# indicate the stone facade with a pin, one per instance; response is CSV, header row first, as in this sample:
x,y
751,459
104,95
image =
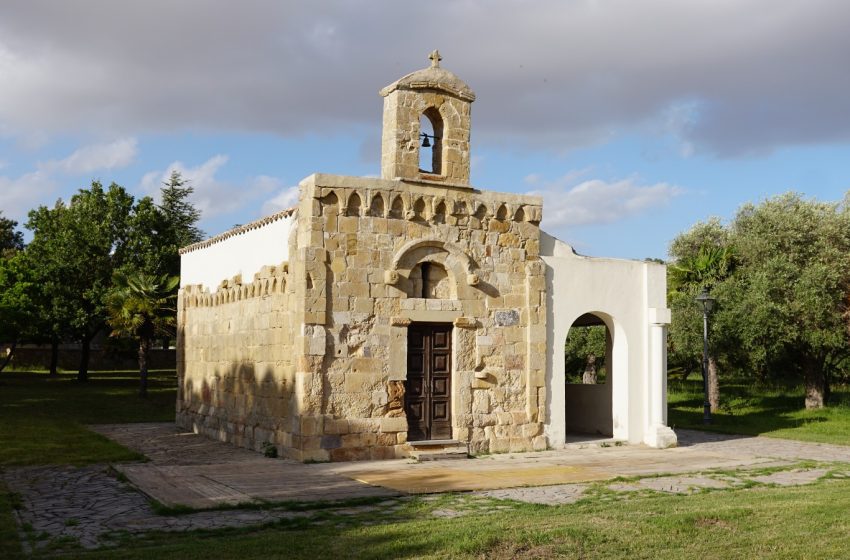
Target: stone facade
x,y
311,355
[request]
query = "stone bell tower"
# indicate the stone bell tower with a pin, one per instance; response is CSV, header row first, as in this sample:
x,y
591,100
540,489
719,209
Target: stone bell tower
x,y
443,99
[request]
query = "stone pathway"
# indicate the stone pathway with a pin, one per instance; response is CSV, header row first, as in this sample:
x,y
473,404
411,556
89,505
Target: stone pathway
x,y
91,506
546,495
189,470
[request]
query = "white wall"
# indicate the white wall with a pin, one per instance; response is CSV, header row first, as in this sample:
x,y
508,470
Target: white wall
x,y
244,253
630,297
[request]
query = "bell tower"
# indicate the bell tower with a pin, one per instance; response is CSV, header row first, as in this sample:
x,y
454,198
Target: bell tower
x,y
439,97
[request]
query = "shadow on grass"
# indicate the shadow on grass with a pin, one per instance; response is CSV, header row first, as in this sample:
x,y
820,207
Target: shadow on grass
x,y
43,418
755,410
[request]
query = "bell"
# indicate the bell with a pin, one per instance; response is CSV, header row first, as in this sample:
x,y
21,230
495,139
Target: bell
x,y
425,142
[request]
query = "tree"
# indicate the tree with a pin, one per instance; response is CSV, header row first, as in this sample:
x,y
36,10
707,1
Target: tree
x,y
17,304
158,232
180,219
11,240
783,292
78,247
584,353
141,306
703,257
790,292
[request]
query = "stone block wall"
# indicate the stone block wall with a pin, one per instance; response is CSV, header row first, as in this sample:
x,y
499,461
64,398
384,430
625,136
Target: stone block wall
x,y
236,361
373,233
401,140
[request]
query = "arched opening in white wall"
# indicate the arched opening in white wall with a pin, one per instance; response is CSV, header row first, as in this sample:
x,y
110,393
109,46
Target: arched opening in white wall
x,y
589,365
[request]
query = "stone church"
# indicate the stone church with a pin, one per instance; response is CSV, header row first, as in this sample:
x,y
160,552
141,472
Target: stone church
x,y
386,318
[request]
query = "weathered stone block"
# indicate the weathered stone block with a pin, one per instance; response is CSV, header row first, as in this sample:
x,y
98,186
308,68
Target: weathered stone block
x,y
397,424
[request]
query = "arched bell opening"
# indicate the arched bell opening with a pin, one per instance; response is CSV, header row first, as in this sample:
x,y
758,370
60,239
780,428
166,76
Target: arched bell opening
x,y
431,142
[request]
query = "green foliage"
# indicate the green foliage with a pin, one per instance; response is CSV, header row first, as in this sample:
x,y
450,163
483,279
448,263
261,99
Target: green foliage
x,y
703,257
11,240
781,276
159,232
77,247
140,306
270,450
17,299
583,342
791,295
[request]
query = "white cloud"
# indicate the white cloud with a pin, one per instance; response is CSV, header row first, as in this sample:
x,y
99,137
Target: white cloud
x,y
113,155
21,194
572,72
286,198
213,195
599,202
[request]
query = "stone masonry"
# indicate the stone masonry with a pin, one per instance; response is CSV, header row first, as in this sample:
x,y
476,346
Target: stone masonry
x,y
311,355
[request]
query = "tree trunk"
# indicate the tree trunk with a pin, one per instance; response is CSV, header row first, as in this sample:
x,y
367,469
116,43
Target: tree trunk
x,y
144,348
54,356
9,353
816,386
589,376
83,372
713,385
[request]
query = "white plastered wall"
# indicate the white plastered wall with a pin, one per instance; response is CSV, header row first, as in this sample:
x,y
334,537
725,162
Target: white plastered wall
x,y
630,297
243,253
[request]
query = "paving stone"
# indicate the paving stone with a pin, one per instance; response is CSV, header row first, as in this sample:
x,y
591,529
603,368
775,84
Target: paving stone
x,y
682,484
547,495
792,478
626,487
449,513
102,507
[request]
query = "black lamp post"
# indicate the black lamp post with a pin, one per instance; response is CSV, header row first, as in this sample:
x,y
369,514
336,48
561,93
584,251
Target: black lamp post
x,y
707,304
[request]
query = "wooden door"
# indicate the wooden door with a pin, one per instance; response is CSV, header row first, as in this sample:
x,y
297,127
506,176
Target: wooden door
x,y
428,392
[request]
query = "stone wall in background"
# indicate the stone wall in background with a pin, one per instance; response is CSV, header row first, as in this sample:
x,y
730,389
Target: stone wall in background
x,y
100,359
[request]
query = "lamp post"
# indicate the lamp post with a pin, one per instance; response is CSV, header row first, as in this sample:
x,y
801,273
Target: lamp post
x,y
707,304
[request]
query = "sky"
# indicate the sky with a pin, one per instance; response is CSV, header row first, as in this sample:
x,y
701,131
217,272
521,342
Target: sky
x,y
634,119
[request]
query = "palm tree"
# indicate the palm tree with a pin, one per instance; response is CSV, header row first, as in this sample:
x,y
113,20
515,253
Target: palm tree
x,y
141,306
690,274
704,269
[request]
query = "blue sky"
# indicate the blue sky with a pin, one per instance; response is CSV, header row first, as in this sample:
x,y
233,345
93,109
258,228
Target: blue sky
x,y
633,119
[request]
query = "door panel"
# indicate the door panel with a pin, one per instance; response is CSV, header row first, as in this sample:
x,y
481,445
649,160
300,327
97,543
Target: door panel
x,y
427,398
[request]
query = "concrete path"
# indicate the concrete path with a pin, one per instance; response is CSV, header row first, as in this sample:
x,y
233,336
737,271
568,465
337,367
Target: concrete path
x,y
186,469
190,470
92,507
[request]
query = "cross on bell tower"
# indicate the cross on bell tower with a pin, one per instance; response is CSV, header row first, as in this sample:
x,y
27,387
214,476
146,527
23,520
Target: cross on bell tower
x,y
435,58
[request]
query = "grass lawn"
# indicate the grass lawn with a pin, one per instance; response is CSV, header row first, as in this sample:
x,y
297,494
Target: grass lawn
x,y
746,408
42,422
801,522
42,418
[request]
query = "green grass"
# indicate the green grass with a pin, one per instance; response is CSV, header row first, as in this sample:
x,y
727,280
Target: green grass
x,y
746,408
42,422
801,522
42,418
